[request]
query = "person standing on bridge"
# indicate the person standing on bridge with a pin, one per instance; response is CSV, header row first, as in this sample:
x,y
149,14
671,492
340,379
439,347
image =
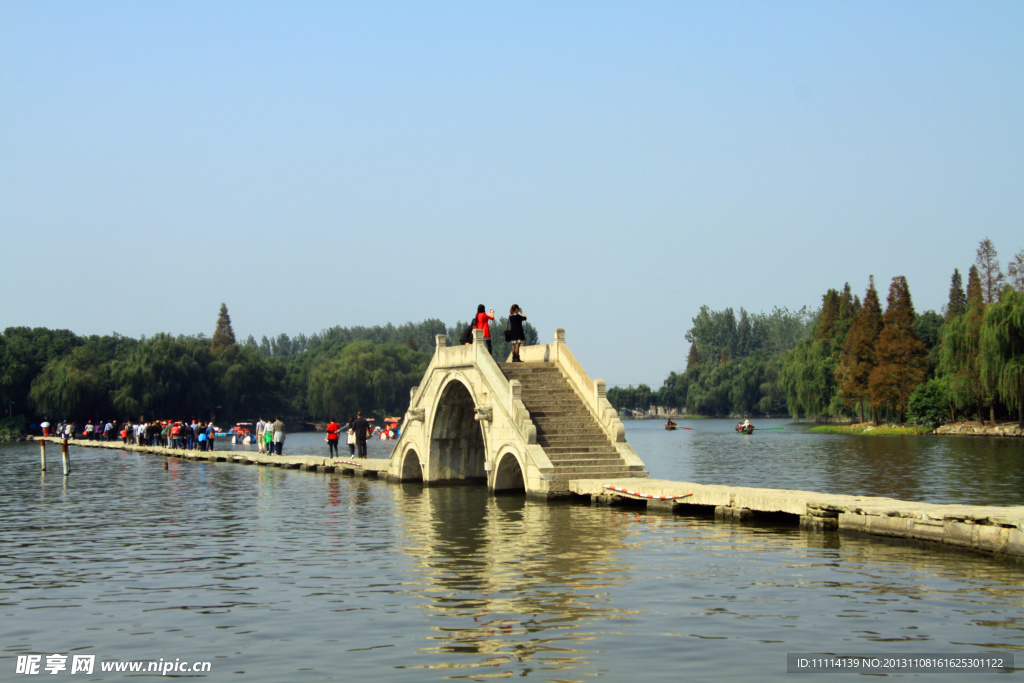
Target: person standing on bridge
x,y
515,329
278,431
350,436
332,438
482,323
362,429
261,431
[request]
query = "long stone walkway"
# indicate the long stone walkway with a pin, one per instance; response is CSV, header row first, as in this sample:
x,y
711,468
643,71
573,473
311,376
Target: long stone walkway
x,y
990,529
366,466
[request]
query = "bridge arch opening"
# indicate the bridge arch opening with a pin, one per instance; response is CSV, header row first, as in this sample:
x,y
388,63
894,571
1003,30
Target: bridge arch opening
x,y
412,470
457,451
508,475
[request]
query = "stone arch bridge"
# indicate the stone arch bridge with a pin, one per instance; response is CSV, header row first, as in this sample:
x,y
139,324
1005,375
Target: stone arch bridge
x,y
532,426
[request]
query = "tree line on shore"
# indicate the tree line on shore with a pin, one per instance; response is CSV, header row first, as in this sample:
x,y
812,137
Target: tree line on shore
x,y
58,375
849,360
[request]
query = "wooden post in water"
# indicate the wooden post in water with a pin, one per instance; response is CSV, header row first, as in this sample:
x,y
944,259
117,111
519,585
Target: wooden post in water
x,y
66,458
42,452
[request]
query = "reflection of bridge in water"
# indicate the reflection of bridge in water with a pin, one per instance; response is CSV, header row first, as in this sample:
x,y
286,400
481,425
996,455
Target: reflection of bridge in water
x,y
532,426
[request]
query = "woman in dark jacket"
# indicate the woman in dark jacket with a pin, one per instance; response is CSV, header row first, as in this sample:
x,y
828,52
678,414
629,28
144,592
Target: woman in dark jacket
x,y
515,328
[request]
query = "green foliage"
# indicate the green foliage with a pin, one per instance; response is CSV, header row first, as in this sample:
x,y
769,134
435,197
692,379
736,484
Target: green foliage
x,y
638,399
959,356
62,376
75,384
928,327
930,403
13,427
364,376
957,297
733,365
1002,350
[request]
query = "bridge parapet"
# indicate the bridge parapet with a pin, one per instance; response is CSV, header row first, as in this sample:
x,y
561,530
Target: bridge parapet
x,y
592,392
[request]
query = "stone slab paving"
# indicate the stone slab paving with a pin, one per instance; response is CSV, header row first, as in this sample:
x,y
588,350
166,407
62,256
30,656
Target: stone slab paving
x,y
995,529
368,466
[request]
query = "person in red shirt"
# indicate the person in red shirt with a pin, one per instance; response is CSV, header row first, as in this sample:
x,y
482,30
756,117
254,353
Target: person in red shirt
x,y
482,324
332,437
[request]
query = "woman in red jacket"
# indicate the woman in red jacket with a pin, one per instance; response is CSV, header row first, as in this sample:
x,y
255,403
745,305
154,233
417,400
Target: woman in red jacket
x,y
482,324
332,437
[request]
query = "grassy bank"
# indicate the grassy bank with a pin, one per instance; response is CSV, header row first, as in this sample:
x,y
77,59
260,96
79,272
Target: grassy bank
x,y
870,429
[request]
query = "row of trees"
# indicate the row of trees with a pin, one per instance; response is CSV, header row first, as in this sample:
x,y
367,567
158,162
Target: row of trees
x,y
849,359
58,375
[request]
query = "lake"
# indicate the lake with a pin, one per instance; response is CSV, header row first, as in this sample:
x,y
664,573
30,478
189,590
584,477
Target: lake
x,y
274,575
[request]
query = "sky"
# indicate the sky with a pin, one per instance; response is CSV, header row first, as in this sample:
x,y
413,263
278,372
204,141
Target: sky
x,y
609,166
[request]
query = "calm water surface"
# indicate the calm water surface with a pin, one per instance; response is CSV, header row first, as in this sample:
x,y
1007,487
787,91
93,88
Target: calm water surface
x,y
281,575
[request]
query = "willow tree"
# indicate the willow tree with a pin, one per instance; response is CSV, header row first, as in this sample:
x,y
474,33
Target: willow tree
x,y
858,359
901,357
1002,351
960,349
165,377
73,387
807,375
364,376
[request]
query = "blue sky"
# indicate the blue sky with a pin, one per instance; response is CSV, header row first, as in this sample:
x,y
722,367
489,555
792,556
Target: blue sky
x,y
609,166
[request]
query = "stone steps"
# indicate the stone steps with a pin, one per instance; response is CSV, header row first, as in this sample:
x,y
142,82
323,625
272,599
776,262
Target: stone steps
x,y
567,431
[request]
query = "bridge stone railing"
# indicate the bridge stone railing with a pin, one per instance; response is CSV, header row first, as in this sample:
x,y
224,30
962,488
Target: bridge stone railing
x,y
592,392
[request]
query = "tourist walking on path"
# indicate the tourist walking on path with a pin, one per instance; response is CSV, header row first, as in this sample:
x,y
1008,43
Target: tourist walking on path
x,y
278,429
332,438
361,427
211,435
515,331
261,432
350,437
482,323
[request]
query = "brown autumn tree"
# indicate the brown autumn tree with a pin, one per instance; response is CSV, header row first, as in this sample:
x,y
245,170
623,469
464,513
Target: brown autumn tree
x,y
858,359
223,336
902,359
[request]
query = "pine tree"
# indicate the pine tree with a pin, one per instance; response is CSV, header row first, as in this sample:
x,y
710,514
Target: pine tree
x,y
974,286
988,268
858,359
829,315
957,298
902,357
693,359
1015,271
223,336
